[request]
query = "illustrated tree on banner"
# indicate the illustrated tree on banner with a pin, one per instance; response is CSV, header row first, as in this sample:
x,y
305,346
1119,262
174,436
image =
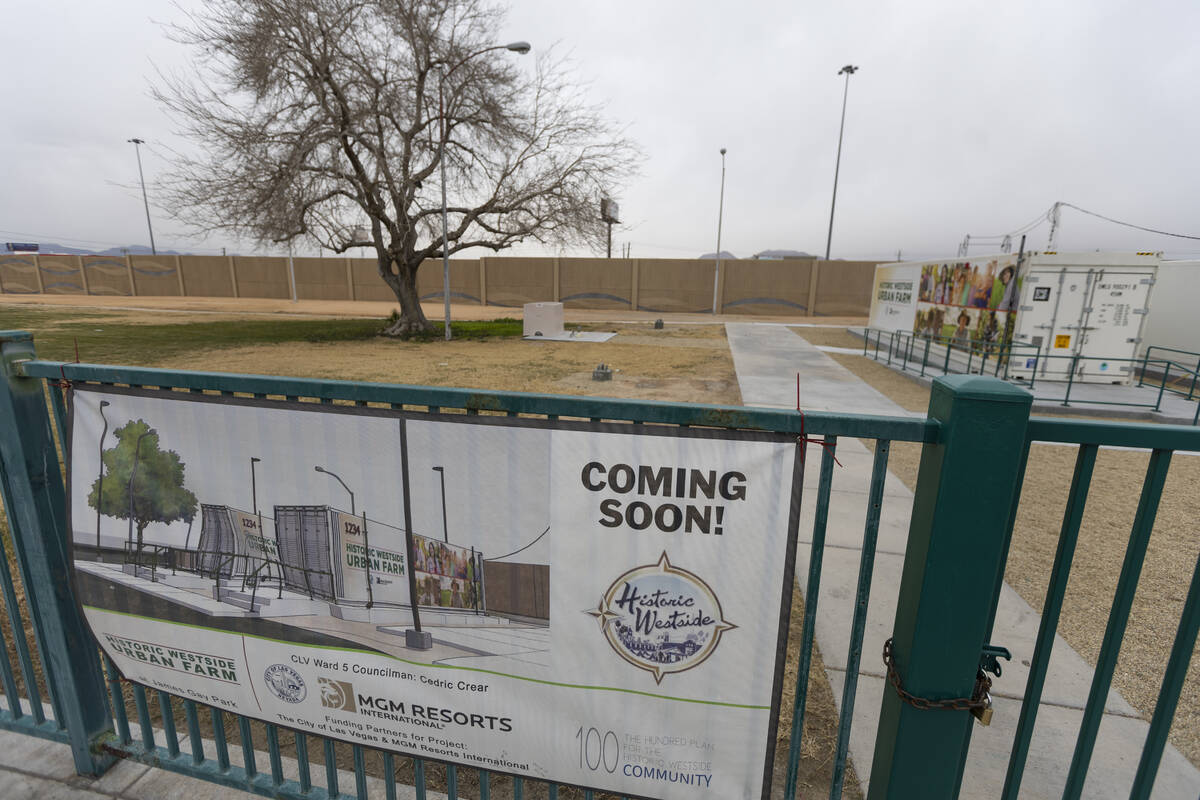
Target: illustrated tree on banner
x,y
142,482
380,124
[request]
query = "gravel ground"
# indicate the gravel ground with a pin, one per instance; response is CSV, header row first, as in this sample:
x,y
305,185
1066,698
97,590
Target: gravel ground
x,y
1103,537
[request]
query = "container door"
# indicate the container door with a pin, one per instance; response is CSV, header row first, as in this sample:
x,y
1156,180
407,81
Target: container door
x,y
1049,318
1116,310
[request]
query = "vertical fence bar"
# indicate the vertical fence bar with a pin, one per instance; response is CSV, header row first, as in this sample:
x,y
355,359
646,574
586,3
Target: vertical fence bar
x,y
866,568
1168,695
925,358
485,785
419,777
451,782
19,641
331,772
193,728
1114,632
168,720
360,772
812,591
1163,386
389,774
248,761
302,763
33,486
273,755
143,713
118,701
218,723
966,481
1044,644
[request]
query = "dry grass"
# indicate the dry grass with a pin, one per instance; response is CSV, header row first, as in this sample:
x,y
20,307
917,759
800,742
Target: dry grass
x,y
1103,537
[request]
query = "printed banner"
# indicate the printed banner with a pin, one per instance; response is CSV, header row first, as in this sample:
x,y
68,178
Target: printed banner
x,y
641,577
371,560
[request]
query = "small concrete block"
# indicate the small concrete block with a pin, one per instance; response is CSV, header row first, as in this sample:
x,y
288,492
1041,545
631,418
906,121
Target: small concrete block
x,y
118,779
418,640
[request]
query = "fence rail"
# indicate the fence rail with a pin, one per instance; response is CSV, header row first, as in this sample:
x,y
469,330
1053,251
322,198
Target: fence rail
x,y
102,717
897,348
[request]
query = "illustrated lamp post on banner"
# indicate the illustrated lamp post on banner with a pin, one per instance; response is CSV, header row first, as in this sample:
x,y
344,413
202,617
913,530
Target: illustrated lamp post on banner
x,y
253,486
445,71
445,525
100,482
137,455
337,478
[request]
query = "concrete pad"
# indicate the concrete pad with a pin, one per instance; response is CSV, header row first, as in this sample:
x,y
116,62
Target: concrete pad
x,y
16,786
36,756
847,520
1111,772
120,777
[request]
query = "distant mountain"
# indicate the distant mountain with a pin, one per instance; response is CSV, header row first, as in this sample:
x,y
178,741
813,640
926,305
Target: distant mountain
x,y
774,255
133,249
725,256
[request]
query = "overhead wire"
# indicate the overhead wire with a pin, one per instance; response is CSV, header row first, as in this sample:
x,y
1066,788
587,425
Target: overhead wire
x,y
1130,224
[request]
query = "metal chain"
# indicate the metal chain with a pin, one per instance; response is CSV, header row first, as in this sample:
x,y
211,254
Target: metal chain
x,y
976,701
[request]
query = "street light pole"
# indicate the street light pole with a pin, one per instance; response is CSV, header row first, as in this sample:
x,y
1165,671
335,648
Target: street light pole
x,y
847,70
100,483
720,218
342,482
444,72
445,525
138,150
253,486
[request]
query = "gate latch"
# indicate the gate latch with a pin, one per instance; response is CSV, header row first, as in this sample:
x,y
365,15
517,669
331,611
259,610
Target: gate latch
x,y
989,660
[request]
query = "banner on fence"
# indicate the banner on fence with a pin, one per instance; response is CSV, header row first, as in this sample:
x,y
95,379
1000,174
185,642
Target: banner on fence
x,y
651,669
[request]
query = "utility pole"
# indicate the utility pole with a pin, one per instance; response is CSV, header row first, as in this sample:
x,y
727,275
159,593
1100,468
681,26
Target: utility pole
x,y
1055,214
137,143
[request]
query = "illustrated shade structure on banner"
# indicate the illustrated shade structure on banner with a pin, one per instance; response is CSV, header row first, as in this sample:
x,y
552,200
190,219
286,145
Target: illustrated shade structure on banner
x,y
640,577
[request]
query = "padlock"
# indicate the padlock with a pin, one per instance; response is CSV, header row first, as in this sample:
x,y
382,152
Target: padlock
x,y
984,715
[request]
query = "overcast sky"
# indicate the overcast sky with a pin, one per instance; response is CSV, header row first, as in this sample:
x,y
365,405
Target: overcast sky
x,y
966,118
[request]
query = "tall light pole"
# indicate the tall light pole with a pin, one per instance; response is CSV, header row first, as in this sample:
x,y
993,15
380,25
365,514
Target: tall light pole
x,y
100,483
334,475
138,150
847,70
720,218
444,71
253,486
445,525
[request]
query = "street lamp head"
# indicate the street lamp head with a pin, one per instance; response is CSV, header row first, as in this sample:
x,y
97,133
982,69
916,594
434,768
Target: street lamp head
x,y
104,403
136,140
849,69
319,469
722,151
519,47
254,460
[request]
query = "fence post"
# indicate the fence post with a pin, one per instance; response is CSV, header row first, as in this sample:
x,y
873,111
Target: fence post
x,y
38,524
956,542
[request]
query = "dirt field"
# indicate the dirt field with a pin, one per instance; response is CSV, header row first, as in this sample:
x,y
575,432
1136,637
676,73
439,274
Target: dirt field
x,y
1104,534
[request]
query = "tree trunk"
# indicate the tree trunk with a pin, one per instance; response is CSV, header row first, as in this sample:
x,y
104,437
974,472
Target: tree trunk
x,y
404,286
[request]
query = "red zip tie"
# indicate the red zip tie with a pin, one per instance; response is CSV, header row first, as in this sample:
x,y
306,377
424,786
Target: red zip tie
x,y
830,447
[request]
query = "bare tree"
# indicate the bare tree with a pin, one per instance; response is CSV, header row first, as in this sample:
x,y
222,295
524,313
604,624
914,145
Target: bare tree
x,y
313,117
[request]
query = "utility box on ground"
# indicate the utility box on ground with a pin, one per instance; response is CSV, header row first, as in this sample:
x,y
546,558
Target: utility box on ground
x,y
543,319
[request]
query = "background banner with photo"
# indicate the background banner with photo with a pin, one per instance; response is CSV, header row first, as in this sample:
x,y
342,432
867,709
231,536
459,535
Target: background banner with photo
x,y
969,302
642,578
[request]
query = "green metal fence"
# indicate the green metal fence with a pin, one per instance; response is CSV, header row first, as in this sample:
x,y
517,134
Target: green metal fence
x,y
103,718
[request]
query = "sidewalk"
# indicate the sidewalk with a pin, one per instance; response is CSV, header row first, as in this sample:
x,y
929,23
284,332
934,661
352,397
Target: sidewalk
x,y
767,358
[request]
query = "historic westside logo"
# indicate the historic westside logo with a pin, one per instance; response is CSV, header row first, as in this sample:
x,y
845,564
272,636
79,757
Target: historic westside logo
x,y
661,618
285,683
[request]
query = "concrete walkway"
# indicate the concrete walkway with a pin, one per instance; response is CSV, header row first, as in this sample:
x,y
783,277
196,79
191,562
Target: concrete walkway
x,y
767,358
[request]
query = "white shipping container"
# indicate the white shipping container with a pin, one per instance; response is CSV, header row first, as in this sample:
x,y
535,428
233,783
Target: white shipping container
x,y
1084,312
1174,322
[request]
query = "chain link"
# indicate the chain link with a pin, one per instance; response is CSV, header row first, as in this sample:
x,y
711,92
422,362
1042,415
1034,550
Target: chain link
x,y
977,700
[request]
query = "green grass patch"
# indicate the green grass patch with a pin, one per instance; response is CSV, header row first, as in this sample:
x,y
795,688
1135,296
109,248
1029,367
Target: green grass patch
x,y
105,338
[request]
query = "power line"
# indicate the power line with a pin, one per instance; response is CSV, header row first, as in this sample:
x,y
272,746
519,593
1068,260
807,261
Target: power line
x,y
1130,224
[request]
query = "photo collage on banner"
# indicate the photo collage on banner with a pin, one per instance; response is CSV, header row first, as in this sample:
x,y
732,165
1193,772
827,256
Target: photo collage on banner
x,y
605,605
970,304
